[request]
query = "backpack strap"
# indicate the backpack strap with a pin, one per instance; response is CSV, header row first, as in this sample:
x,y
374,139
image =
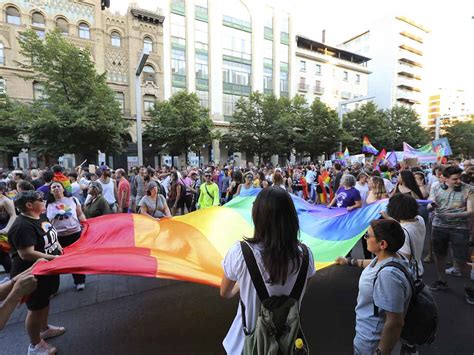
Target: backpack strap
x,y
254,271
412,253
402,269
301,280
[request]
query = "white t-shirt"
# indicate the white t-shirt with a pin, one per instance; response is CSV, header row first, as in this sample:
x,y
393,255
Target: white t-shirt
x,y
416,231
364,192
76,189
388,185
236,270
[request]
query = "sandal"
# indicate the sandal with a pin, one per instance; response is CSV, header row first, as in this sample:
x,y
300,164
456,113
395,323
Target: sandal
x,y
52,332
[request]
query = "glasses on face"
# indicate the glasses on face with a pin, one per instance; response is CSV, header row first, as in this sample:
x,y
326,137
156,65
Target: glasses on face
x,y
207,176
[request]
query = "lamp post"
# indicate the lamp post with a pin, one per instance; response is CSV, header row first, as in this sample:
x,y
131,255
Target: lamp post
x,y
346,102
438,124
138,102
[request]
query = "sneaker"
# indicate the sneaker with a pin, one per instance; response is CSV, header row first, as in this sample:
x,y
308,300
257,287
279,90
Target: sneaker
x,y
42,348
80,287
438,285
428,259
469,295
453,271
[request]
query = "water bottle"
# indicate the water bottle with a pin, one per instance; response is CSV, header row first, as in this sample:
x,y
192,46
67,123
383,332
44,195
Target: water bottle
x,y
300,348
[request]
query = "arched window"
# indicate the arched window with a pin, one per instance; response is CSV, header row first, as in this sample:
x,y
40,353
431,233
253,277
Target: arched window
x,y
37,90
148,73
2,54
63,26
148,103
13,16
115,39
84,31
147,45
37,19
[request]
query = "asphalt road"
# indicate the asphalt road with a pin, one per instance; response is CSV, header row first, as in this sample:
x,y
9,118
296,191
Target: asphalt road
x,y
133,315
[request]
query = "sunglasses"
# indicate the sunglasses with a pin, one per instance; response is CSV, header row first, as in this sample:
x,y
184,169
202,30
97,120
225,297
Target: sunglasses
x,y
208,176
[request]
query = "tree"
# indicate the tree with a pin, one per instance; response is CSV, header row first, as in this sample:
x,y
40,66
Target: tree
x,y
258,127
12,140
179,125
78,111
367,120
461,138
318,130
404,125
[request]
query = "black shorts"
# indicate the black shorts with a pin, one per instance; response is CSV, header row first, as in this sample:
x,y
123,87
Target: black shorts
x,y
46,287
458,238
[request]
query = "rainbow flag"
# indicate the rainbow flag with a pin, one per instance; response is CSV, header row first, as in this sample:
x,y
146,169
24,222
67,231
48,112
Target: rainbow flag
x,y
340,155
425,154
367,147
346,154
191,247
380,158
64,180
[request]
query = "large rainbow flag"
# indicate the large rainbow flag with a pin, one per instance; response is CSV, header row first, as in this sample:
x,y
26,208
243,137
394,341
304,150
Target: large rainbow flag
x,y
191,247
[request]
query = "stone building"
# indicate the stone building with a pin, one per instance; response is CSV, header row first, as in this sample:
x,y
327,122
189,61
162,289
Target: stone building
x,y
115,42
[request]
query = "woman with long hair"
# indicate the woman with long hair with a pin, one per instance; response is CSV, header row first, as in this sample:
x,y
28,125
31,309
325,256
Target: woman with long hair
x,y
377,189
421,182
7,217
237,178
379,333
177,193
65,214
153,203
247,186
407,185
278,253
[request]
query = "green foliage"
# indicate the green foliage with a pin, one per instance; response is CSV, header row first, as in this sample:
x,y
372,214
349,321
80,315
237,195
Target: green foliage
x,y
78,112
386,129
179,125
404,126
317,130
10,126
259,126
461,138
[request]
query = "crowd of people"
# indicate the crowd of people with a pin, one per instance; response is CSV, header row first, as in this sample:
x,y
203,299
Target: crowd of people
x,y
42,210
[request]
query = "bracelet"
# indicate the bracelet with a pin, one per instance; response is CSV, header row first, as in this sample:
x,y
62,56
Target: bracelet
x,y
355,262
349,261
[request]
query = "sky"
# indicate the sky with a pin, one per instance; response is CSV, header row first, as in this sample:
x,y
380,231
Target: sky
x,y
449,46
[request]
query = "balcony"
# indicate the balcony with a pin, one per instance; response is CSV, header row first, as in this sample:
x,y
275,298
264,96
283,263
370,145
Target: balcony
x,y
284,38
202,84
411,49
268,91
408,97
408,84
284,94
236,23
405,67
179,81
410,58
303,87
201,13
177,7
408,75
268,33
237,89
318,90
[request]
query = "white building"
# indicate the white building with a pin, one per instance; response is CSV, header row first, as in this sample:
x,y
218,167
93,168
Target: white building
x,y
395,46
450,106
223,50
329,74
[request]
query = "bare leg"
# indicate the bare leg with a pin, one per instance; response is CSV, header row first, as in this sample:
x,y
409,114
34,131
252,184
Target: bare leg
x,y
36,322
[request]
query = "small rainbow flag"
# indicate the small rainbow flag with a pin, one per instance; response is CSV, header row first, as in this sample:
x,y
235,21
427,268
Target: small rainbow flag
x,y
340,155
346,154
380,158
367,147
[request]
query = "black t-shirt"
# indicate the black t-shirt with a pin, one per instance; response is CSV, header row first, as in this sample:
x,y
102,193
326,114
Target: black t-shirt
x,y
26,232
37,183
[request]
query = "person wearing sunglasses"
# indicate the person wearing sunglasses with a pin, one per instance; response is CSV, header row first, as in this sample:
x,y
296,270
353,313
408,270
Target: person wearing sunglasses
x,y
33,237
208,193
380,333
245,188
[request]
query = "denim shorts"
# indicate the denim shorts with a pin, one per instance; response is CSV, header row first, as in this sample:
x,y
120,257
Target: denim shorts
x,y
459,239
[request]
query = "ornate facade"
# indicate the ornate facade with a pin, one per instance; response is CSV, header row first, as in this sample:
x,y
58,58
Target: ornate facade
x,y
115,42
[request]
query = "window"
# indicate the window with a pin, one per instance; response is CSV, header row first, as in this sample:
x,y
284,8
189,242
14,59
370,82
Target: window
x,y
284,81
178,62
318,69
302,66
37,19
201,35
357,78
147,45
267,79
120,98
84,31
203,98
13,16
236,73
285,24
178,29
37,91
236,43
148,73
202,68
345,76
2,54
283,51
148,103
115,39
62,26
3,88
229,102
268,49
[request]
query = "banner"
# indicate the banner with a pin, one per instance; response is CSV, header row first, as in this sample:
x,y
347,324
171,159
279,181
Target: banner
x,y
424,154
444,147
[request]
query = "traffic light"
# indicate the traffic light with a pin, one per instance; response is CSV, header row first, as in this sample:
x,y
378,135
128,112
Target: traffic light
x,y
104,4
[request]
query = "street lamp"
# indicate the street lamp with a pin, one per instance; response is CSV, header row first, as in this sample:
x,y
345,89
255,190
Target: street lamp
x,y
138,101
346,102
438,124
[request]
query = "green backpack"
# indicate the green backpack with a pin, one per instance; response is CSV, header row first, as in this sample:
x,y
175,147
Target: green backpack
x,y
278,323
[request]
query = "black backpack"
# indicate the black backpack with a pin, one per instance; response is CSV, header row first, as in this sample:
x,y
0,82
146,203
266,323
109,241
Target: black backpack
x,y
278,323
421,319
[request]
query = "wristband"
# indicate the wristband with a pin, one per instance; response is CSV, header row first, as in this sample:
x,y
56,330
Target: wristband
x,y
355,262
